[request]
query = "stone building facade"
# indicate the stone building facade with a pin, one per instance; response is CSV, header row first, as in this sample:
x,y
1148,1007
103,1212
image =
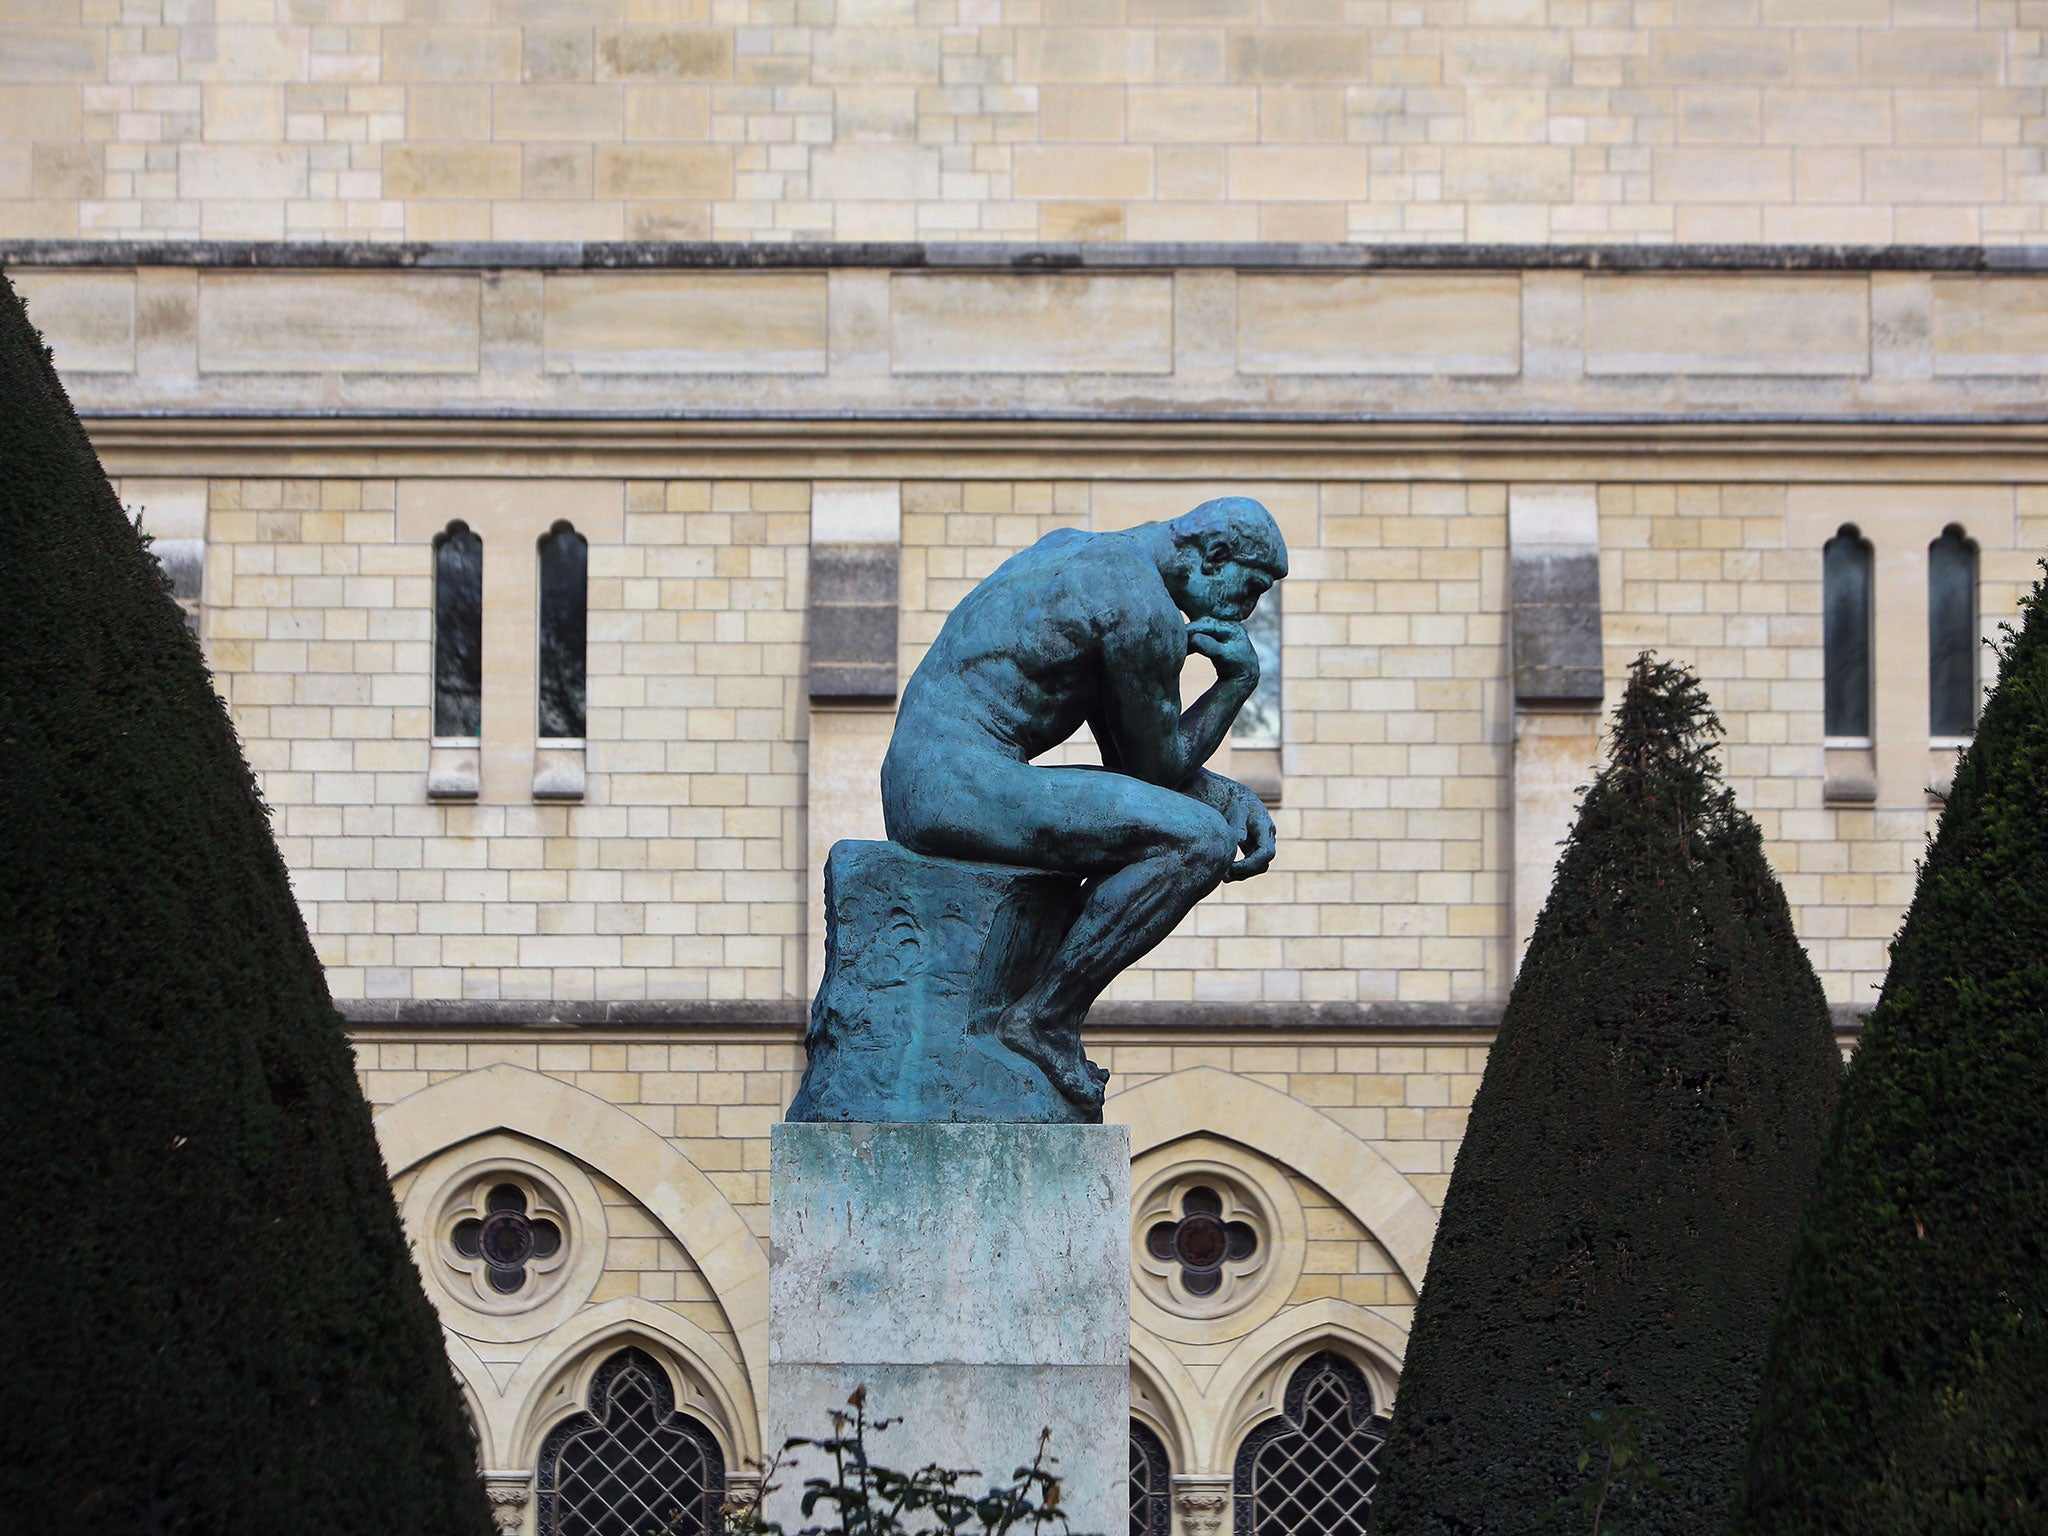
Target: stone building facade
x,y
1706,327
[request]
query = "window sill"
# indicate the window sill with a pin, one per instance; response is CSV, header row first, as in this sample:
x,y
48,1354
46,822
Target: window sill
x,y
559,769
454,768
1851,774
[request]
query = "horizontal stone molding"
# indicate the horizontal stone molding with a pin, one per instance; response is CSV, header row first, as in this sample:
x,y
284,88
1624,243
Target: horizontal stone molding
x,y
1100,447
786,1015
571,1013
1035,256
1144,342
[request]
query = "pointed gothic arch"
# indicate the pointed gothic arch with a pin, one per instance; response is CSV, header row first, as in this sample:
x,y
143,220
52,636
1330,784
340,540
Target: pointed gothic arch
x,y
1206,1099
626,1150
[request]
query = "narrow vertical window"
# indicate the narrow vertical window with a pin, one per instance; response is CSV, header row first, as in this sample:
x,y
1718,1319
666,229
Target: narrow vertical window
x,y
1258,723
458,632
1952,634
564,625
1845,625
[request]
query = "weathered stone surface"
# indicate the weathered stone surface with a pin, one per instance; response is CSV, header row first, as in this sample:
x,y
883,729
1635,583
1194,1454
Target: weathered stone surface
x,y
921,956
853,620
1996,325
1767,326
346,322
1557,631
1055,323
87,317
1403,323
975,1278
685,323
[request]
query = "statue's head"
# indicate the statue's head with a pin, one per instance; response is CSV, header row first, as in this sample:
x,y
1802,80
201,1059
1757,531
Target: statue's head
x,y
1227,553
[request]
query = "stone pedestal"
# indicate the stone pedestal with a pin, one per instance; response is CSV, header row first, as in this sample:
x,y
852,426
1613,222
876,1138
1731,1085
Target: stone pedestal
x,y
976,1279
921,957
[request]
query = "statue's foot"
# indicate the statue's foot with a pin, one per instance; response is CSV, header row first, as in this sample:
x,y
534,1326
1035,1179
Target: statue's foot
x,y
1077,1078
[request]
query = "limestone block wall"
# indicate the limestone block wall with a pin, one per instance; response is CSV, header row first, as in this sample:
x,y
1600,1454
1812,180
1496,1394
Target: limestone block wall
x,y
684,873
681,876
1338,1143
1446,120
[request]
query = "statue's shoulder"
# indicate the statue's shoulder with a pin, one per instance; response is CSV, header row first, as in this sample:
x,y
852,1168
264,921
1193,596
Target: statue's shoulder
x,y
1094,552
1103,576
1061,536
1077,558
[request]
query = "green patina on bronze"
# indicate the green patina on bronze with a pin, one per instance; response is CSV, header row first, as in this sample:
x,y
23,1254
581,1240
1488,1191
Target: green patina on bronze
x,y
964,954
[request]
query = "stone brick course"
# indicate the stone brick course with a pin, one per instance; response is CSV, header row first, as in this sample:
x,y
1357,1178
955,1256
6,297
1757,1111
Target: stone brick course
x,y
1606,120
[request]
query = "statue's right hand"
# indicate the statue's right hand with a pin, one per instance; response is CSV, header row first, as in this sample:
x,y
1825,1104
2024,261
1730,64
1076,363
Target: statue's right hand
x,y
1227,645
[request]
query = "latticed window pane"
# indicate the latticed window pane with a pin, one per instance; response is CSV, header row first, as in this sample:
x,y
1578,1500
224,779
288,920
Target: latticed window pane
x,y
1311,1472
631,1464
564,626
1951,634
458,632
1151,1484
1845,632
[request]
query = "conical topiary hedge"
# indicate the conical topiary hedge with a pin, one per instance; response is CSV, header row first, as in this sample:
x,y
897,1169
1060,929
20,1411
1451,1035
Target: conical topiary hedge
x,y
211,1319
1616,1231
1907,1388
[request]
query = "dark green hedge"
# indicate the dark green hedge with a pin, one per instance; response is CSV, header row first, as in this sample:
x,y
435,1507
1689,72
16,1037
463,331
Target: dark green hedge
x,y
1625,1201
211,1320
1907,1389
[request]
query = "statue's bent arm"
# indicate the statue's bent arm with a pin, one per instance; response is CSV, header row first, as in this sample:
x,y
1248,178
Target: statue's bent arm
x,y
1139,722
1140,726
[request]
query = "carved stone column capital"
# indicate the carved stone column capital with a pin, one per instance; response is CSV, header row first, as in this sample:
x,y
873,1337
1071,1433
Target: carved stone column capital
x,y
509,1493
742,1490
1202,1505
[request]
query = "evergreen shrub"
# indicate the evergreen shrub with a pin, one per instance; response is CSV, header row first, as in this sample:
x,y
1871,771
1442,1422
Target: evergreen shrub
x,y
1616,1232
1907,1385
211,1319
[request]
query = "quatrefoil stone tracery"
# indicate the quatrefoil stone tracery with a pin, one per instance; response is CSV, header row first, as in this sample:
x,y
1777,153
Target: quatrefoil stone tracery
x,y
1201,1242
506,1238
1202,1246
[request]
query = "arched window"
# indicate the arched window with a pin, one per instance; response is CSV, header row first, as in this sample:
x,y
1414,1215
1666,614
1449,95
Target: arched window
x,y
564,624
630,1463
1951,634
458,632
1845,632
1151,1483
1311,1471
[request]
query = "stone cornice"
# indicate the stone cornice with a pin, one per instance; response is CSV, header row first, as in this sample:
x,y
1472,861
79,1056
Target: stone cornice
x,y
1097,445
648,255
786,1015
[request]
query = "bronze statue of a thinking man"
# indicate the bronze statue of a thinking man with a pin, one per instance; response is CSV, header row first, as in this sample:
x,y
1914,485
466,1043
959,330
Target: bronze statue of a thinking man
x,y
1094,628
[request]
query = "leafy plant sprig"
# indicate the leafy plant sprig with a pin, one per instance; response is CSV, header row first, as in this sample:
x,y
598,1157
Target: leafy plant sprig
x,y
861,1497
1615,1465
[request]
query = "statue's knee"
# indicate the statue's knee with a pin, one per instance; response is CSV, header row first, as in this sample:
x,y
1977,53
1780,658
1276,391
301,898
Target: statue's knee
x,y
1211,848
